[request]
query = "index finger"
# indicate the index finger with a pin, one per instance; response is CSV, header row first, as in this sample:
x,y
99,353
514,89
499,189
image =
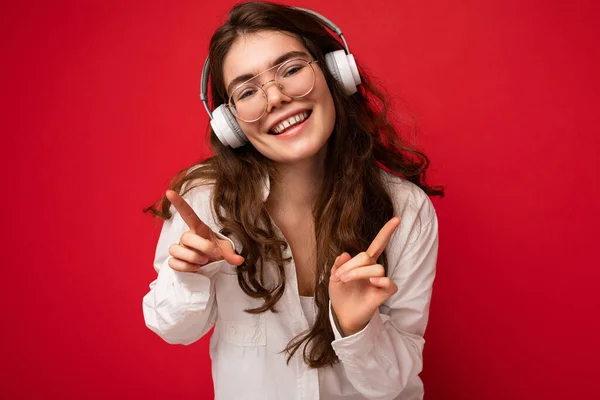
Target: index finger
x,y
187,213
383,237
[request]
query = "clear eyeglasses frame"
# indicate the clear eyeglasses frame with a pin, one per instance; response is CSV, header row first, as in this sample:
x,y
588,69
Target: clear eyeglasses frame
x,y
249,102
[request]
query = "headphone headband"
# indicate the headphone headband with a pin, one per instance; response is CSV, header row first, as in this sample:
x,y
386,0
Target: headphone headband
x,y
328,24
204,87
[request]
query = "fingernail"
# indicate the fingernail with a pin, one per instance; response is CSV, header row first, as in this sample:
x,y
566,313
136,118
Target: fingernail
x,y
344,277
217,252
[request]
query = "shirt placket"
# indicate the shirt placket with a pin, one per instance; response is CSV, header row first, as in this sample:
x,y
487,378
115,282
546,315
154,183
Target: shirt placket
x,y
307,378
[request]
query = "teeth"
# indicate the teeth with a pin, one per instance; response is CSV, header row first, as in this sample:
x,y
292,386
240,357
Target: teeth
x,y
290,121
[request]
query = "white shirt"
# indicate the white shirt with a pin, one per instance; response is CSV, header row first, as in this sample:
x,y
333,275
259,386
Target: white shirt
x,y
380,362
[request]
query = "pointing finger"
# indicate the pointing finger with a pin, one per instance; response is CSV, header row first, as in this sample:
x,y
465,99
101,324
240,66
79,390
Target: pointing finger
x,y
383,237
187,213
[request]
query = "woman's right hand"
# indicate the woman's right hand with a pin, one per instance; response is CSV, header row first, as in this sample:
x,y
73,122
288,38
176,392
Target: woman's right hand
x,y
198,246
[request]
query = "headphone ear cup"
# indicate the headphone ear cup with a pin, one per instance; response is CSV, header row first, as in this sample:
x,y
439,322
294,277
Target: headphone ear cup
x,y
226,128
343,68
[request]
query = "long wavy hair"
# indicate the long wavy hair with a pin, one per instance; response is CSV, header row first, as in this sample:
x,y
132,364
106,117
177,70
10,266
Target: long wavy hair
x,y
353,202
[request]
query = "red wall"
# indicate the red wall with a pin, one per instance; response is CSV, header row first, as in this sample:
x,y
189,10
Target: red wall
x,y
100,108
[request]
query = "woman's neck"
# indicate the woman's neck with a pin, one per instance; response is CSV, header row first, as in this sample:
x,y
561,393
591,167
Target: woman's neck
x,y
297,184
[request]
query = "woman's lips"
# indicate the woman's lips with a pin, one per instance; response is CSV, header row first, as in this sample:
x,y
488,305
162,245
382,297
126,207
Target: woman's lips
x,y
293,130
291,127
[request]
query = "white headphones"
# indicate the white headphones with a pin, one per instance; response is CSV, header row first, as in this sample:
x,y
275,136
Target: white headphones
x,y
340,63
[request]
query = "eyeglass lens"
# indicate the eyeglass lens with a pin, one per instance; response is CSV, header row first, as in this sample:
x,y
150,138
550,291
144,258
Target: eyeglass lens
x,y
295,78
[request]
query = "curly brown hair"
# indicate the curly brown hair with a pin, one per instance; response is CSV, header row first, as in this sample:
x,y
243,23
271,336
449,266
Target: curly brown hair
x,y
353,202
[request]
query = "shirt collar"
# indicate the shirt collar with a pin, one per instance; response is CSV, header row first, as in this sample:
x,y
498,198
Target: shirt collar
x,y
266,187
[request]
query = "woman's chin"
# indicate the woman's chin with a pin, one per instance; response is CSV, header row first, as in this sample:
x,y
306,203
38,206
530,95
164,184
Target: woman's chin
x,y
298,151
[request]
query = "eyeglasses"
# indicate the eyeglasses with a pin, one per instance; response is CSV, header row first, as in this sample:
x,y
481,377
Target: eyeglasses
x,y
295,78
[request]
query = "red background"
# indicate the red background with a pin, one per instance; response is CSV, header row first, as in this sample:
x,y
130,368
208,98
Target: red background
x,y
100,109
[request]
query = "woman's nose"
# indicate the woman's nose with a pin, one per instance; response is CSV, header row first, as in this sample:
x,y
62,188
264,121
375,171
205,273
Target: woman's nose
x,y
275,95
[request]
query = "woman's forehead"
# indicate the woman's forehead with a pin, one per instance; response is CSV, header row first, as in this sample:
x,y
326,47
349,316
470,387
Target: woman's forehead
x,y
254,52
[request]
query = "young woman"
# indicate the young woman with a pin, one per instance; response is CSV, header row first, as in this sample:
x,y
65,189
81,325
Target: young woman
x,y
308,240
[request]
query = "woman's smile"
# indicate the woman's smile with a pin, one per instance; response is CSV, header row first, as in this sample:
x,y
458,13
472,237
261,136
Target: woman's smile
x,y
292,126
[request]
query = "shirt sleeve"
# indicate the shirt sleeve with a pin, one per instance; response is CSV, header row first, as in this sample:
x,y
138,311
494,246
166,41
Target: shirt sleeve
x,y
381,359
180,306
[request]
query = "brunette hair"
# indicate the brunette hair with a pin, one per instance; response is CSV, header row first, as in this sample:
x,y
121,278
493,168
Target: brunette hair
x,y
353,203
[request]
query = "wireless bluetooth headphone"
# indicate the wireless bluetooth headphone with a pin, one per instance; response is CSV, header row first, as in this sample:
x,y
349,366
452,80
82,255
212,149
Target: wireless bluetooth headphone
x,y
340,63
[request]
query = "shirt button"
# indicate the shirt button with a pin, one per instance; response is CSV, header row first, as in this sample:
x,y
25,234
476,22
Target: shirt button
x,y
232,331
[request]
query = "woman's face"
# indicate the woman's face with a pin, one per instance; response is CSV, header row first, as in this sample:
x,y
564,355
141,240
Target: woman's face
x,y
254,53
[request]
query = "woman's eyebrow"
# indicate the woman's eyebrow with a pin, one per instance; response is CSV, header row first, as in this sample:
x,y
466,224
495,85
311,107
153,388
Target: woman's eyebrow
x,y
282,58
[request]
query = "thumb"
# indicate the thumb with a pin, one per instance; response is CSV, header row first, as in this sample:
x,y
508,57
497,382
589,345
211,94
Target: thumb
x,y
228,253
339,261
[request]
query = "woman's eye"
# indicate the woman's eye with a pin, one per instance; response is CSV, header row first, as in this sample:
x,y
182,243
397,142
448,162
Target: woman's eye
x,y
246,94
292,71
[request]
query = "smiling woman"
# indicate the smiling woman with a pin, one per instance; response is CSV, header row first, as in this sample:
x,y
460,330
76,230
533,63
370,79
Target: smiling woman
x,y
308,240
298,88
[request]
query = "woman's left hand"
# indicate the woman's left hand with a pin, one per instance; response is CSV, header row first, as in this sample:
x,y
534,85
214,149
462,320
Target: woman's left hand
x,y
358,285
